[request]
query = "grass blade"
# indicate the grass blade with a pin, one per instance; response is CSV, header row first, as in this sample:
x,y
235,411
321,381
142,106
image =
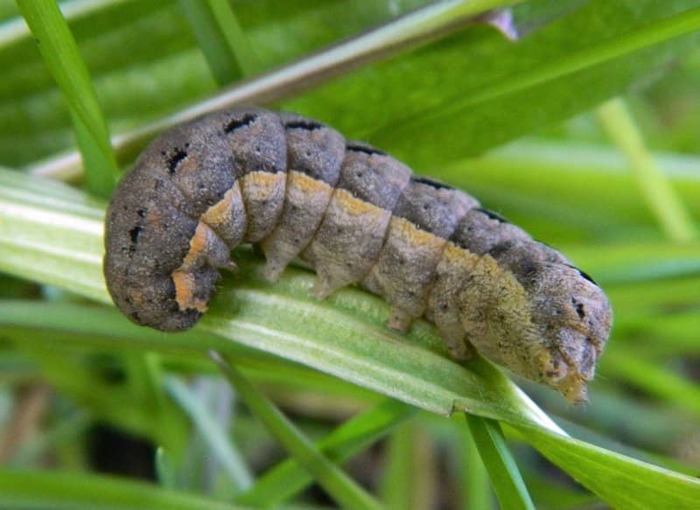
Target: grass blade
x,y
619,480
328,475
410,475
505,477
61,55
225,46
476,492
218,441
288,478
663,201
55,491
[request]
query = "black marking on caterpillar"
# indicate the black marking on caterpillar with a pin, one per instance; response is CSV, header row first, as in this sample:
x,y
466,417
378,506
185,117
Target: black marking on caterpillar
x,y
307,124
175,159
297,189
583,275
234,124
429,182
364,148
492,215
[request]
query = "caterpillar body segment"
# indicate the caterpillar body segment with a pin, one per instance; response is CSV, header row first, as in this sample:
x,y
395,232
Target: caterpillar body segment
x,y
350,238
297,188
315,154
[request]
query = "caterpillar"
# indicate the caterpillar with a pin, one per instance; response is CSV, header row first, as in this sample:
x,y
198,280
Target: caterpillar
x,y
298,189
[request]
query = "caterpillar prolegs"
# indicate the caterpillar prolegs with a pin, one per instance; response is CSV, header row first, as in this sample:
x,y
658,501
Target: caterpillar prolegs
x,y
297,188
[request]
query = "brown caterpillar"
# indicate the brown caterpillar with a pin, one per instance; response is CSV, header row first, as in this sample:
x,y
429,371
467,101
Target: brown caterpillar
x,y
298,189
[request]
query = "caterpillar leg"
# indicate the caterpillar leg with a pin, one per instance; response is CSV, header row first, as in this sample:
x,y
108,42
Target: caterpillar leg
x,y
456,339
324,286
399,320
461,350
272,271
207,248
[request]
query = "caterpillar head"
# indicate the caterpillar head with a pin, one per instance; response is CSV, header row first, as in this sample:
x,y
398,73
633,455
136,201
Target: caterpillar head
x,y
538,316
573,318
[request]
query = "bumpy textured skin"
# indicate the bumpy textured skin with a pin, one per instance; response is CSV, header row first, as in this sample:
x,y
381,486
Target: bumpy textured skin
x,y
356,215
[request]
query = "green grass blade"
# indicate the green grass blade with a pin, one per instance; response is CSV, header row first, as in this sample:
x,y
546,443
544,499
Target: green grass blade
x,y
228,52
165,469
144,381
410,474
219,444
505,476
70,223
511,92
71,491
61,55
619,480
288,478
475,489
327,474
663,201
